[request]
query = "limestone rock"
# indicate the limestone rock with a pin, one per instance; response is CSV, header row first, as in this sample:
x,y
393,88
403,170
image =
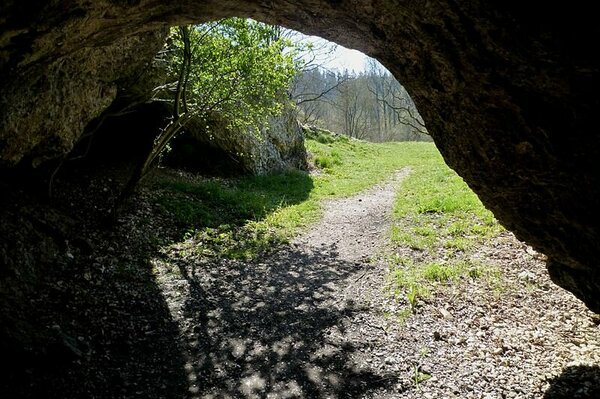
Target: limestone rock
x,y
42,114
276,147
220,149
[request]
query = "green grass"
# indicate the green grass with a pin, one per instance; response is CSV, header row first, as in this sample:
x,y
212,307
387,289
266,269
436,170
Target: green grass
x,y
244,217
438,210
414,282
213,203
435,212
240,218
437,215
356,165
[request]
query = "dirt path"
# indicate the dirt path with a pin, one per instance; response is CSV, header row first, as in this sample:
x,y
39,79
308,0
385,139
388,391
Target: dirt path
x,y
352,229
278,327
312,321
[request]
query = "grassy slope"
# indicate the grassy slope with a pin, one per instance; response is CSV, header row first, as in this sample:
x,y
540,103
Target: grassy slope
x,y
241,218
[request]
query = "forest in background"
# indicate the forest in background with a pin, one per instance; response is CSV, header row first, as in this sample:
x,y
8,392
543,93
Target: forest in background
x,y
370,105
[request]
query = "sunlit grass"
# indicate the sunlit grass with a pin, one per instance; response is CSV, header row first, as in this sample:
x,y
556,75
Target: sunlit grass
x,y
414,281
436,214
437,209
244,217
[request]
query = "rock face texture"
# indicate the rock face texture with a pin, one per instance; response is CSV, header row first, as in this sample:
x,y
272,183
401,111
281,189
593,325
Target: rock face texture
x,y
45,107
279,146
509,96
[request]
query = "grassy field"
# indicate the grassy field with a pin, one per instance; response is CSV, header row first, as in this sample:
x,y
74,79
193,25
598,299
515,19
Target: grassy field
x,y
241,218
438,208
438,221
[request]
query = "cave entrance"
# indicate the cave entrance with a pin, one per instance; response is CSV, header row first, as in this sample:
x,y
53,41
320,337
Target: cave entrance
x,y
510,104
510,98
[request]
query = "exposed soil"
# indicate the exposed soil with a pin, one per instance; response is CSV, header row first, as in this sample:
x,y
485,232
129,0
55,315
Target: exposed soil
x,y
138,311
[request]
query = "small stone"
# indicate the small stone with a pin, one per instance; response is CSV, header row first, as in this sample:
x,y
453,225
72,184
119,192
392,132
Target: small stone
x,y
498,351
526,275
445,313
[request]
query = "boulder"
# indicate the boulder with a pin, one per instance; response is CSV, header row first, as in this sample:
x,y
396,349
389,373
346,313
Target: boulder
x,y
213,145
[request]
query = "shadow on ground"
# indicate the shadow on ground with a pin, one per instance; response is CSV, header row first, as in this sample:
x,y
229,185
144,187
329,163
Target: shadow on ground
x,y
271,328
575,382
82,314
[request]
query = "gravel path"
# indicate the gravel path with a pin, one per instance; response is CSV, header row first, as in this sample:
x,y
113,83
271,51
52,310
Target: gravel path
x,y
313,320
353,229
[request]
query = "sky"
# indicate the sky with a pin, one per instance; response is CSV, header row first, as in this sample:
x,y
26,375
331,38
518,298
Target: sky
x,y
343,58
340,59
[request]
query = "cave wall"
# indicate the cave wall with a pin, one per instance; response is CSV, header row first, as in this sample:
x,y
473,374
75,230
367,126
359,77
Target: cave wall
x,y
509,95
45,106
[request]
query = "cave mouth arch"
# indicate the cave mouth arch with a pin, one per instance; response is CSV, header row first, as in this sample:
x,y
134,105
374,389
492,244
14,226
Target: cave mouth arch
x,y
508,95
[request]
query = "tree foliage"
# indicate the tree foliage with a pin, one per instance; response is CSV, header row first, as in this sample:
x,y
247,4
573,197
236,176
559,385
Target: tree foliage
x,y
237,68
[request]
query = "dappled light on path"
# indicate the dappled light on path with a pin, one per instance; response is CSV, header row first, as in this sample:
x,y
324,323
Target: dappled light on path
x,y
275,327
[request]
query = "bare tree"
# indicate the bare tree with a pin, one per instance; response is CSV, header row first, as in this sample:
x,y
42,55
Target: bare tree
x,y
314,91
392,96
370,105
351,103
